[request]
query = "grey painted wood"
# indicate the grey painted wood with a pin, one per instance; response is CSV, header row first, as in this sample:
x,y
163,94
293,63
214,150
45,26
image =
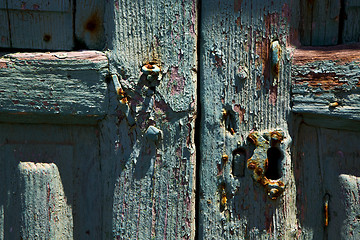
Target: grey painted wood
x,y
4,26
89,23
351,31
59,86
150,185
326,81
237,75
326,162
41,24
319,22
50,182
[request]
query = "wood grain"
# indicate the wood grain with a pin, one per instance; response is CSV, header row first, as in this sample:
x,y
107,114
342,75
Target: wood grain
x,y
326,81
326,163
151,184
41,24
236,75
50,176
53,87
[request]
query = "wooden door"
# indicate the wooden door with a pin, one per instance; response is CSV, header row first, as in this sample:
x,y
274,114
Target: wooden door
x,y
275,112
220,143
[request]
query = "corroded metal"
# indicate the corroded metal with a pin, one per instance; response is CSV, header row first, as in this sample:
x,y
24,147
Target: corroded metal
x,y
258,164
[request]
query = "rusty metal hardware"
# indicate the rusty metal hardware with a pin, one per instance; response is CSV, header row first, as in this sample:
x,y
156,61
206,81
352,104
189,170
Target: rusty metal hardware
x,y
151,71
122,97
333,104
275,58
264,164
326,209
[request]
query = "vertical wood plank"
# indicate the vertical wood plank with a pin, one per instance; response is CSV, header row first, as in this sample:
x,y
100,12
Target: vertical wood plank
x,y
351,31
89,24
152,183
44,210
4,26
319,22
309,177
237,75
41,24
52,184
323,165
350,203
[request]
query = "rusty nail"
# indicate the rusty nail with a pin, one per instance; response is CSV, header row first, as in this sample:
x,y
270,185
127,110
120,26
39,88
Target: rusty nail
x,y
124,107
333,104
225,158
326,209
150,69
223,200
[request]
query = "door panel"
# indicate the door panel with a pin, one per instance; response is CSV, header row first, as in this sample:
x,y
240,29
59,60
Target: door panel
x,y
326,163
51,182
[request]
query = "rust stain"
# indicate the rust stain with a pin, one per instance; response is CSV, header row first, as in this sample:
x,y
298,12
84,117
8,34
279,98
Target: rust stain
x,y
93,23
47,38
341,54
263,51
252,165
326,81
3,64
259,171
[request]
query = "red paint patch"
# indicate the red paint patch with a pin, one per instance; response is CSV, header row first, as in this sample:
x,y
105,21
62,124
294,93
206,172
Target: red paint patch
x,y
240,111
177,82
341,54
3,64
273,95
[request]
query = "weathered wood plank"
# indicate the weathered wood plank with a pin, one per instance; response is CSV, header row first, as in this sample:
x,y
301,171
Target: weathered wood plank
x,y
326,81
43,199
58,85
309,183
319,22
89,23
326,163
240,74
50,182
40,5
41,24
4,27
151,183
351,30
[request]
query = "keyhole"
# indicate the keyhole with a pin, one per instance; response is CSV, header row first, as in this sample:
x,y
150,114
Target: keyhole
x,y
275,156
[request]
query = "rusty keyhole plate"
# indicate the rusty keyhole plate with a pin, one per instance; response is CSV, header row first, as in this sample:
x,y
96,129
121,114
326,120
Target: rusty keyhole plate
x,y
258,164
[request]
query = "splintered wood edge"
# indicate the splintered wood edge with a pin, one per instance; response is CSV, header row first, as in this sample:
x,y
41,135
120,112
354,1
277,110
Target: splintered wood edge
x,y
341,53
92,56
